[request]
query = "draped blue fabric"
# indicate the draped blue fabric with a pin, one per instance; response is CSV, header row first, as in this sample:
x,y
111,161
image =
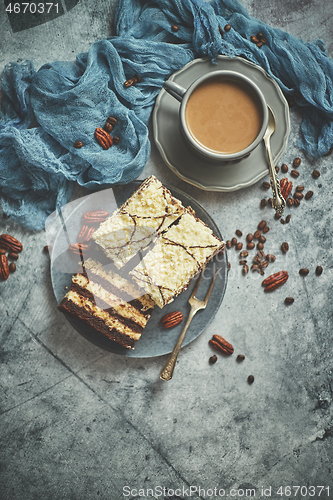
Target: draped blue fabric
x,y
44,113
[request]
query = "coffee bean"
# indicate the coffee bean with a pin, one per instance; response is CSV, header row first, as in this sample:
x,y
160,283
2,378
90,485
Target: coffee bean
x,y
315,174
319,270
254,39
284,247
294,173
250,379
116,140
174,28
263,203
242,262
284,168
257,234
288,218
265,230
262,224
255,267
277,216
264,264
250,245
239,246
266,185
261,37
308,195
245,269
289,300
262,239
296,162
240,357
299,188
304,271
227,28
46,249
221,31
282,221
78,145
298,196
270,202
296,202
213,359
244,253
13,256
12,267
261,254
249,237
112,120
270,257
257,259
234,241
3,251
260,245
277,169
108,127
290,202
239,232
260,44
228,244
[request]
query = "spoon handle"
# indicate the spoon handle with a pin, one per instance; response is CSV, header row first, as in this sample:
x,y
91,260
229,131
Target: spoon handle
x,y
279,202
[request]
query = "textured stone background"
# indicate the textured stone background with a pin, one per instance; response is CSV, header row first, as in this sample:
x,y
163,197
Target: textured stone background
x,y
79,423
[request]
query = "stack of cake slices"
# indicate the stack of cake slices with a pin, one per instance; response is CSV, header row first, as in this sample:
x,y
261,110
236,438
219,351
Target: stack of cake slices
x,y
174,245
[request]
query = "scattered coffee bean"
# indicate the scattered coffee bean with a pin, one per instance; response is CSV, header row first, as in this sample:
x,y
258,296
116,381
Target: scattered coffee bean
x,y
277,216
260,44
262,239
240,357
13,256
249,237
289,300
296,162
250,245
270,257
277,169
298,196
290,202
228,244
242,262
262,224
239,246
234,241
174,28
284,168
296,202
265,230
113,121
270,202
261,37
239,232
264,264
221,31
12,267
227,28
244,253
315,174
108,127
78,144
250,379
294,173
260,245
46,249
263,203
254,39
266,185
308,195
261,254
3,251
319,270
213,359
304,271
255,267
256,259
245,269
288,218
257,234
284,247
116,140
299,188
282,221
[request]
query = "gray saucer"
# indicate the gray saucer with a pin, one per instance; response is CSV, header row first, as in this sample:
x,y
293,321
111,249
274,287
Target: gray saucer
x,y
205,175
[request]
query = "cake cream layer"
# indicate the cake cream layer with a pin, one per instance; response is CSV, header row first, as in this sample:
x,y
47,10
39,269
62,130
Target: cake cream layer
x,y
130,229
177,256
94,297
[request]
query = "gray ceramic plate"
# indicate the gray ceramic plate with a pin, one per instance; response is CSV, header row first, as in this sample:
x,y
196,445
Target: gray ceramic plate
x,y
155,340
185,163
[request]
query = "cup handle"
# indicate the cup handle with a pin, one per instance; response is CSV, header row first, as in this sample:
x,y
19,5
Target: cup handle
x,y
175,90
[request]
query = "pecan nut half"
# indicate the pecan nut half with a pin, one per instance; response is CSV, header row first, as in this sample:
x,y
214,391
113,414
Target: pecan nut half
x,y
4,267
10,243
103,138
220,344
275,280
172,319
78,248
95,216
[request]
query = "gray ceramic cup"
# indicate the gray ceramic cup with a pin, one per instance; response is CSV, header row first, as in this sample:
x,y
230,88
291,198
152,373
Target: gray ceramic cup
x,y
183,95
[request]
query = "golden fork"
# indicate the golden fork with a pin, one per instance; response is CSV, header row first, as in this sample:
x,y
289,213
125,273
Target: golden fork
x,y
196,305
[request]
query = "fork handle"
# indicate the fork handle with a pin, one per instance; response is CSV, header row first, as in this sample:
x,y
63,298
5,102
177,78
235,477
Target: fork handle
x,y
167,370
279,202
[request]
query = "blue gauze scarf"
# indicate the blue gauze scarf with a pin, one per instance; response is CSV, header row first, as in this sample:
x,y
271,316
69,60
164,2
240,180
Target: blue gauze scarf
x,y
45,112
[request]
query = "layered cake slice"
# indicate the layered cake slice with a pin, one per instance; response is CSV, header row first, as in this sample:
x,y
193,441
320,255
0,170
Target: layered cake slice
x,y
131,228
108,303
177,256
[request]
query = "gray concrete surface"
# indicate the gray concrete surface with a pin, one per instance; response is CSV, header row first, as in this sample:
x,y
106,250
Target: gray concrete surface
x,y
78,423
